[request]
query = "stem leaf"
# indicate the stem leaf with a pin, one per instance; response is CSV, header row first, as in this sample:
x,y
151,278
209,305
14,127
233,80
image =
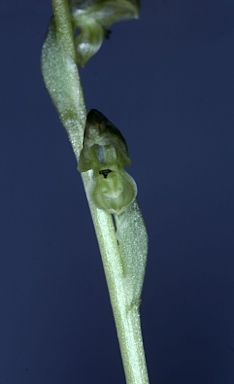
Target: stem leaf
x,y
133,246
63,84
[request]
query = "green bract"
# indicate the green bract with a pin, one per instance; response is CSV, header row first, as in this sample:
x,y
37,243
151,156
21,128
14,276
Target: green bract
x,y
133,246
105,152
93,17
63,83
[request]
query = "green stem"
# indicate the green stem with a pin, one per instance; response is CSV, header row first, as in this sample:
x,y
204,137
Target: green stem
x,y
127,318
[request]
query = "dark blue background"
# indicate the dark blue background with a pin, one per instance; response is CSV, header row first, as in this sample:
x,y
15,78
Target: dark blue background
x,y
167,81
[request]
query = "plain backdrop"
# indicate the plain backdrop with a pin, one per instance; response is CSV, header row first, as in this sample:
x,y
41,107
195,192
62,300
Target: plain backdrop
x,y
167,82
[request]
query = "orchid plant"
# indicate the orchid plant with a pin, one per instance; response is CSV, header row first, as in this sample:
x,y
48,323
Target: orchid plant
x,y
75,34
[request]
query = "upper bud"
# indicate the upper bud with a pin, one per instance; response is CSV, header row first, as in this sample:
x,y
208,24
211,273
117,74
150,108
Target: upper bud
x,y
93,17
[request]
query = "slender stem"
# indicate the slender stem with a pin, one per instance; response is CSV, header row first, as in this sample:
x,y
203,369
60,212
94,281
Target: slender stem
x,y
127,318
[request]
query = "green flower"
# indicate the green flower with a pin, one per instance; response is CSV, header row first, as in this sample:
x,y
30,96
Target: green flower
x,y
105,152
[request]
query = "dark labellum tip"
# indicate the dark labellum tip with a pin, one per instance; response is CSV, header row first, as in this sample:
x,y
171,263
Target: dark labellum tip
x,y
105,172
107,33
